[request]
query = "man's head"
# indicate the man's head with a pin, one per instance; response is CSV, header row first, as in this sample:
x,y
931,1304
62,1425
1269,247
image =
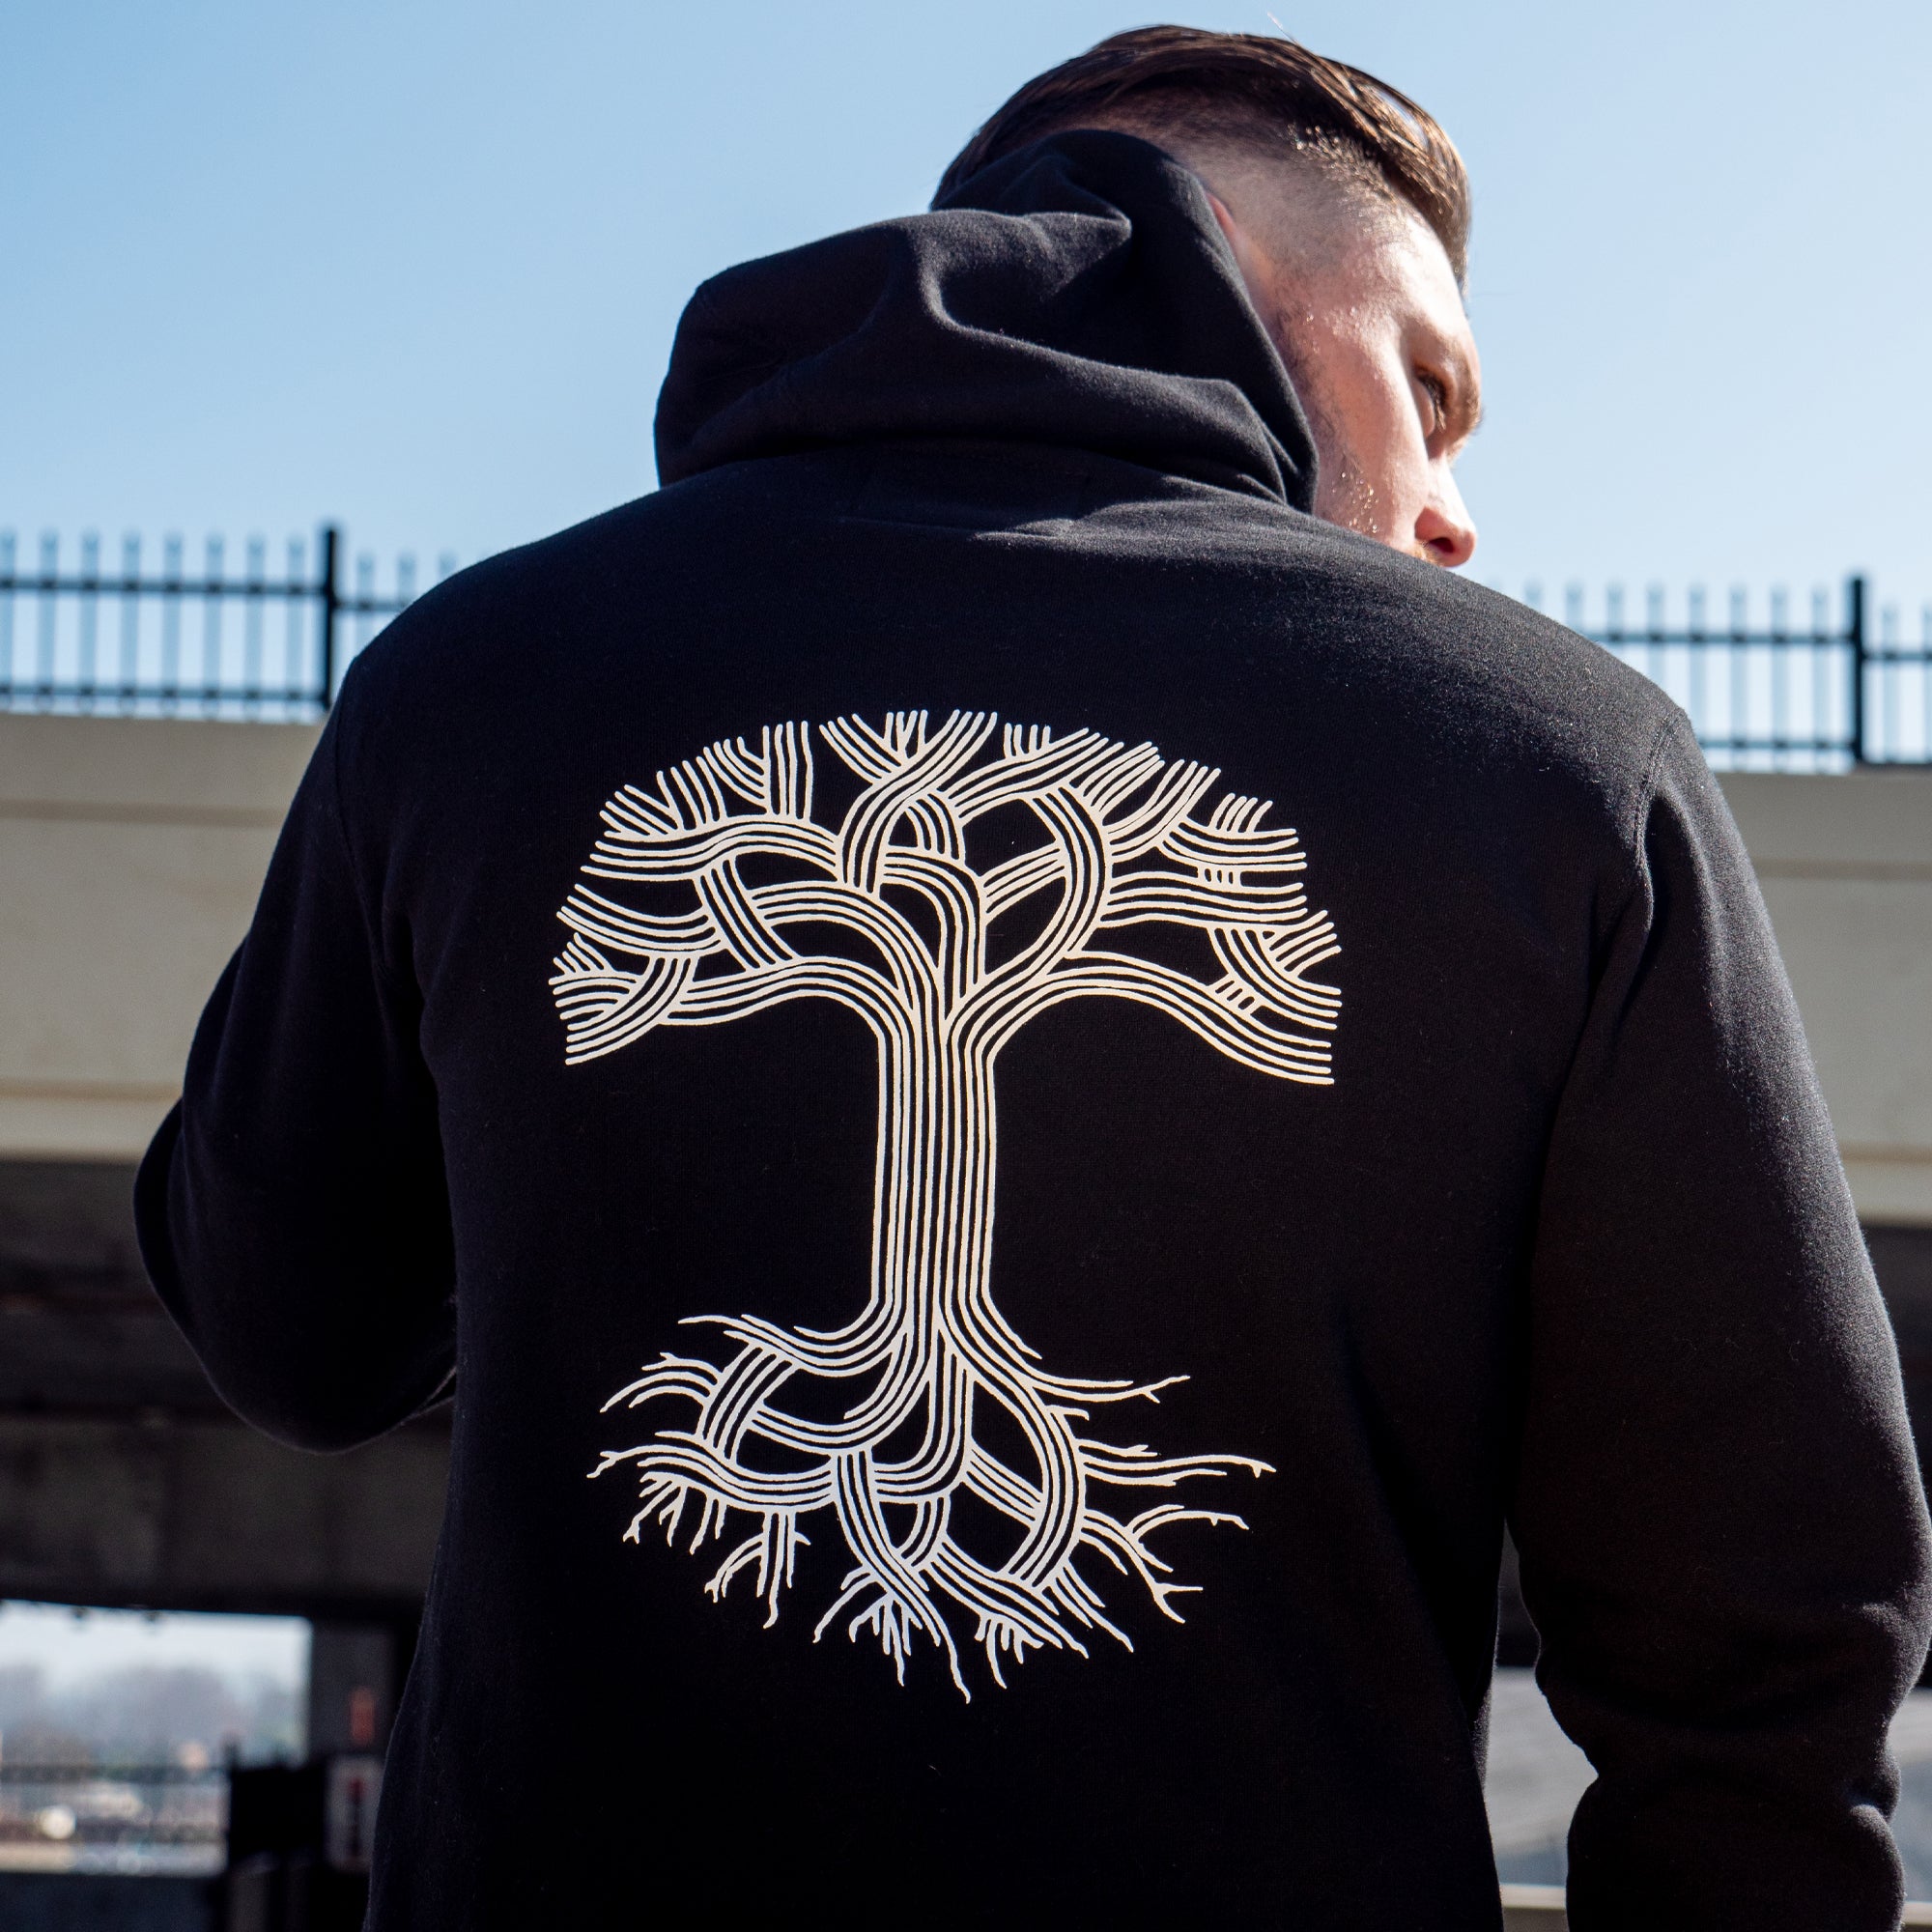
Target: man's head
x,y
1348,211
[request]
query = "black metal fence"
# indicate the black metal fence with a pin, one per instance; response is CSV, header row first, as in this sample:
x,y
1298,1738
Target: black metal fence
x,y
1827,690
129,641
1834,689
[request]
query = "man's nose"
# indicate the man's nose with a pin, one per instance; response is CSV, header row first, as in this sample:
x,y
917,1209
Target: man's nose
x,y
1445,533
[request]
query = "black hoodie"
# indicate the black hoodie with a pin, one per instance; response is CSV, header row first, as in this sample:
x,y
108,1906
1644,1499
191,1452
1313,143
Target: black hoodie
x,y
1069,1086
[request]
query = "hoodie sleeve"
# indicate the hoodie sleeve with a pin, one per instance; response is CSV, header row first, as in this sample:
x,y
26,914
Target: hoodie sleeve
x,y
1723,1539
292,1210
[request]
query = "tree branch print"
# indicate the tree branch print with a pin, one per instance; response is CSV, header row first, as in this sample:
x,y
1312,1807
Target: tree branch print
x,y
1119,843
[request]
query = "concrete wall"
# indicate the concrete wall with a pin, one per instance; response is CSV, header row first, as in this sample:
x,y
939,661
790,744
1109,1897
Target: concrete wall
x,y
199,1513
1846,867
123,1480
130,852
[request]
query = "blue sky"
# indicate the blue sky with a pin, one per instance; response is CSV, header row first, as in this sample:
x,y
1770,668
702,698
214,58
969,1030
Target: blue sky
x,y
417,265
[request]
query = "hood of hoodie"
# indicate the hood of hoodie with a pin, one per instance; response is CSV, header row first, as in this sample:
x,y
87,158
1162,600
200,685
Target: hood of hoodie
x,y
1078,294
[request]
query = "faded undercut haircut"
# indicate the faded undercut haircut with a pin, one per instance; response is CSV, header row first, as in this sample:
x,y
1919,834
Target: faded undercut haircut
x,y
1258,91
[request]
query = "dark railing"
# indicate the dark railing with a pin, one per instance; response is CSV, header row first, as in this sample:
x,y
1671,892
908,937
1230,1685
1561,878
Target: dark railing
x,y
151,659
1822,695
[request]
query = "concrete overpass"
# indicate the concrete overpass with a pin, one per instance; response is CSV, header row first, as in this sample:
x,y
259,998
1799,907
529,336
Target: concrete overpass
x,y
130,851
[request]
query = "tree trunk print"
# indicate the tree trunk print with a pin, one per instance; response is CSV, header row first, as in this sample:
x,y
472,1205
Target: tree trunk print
x,y
1116,844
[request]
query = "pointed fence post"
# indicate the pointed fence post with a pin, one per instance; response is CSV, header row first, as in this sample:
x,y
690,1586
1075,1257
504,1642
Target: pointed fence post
x,y
1855,636
328,606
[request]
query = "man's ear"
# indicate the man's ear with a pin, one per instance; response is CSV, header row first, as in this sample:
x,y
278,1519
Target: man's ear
x,y
1252,263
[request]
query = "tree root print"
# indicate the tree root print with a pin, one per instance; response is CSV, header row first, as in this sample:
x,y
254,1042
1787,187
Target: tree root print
x,y
1118,845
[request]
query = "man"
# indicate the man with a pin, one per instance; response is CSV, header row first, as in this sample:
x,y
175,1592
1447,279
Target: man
x,y
1068,1082
1347,208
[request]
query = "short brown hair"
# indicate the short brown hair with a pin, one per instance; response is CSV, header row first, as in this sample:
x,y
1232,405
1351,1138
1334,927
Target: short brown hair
x,y
1239,86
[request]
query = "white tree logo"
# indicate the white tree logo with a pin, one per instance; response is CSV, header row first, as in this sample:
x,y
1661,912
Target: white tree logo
x,y
741,899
